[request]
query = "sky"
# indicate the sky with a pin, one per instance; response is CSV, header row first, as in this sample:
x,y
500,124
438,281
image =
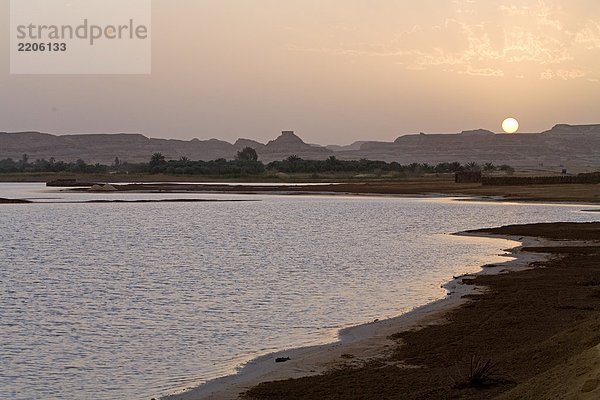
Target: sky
x,y
334,71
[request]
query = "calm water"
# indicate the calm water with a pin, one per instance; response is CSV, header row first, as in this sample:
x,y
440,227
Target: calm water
x,y
114,301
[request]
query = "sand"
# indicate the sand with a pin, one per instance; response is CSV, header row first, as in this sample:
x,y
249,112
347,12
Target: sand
x,y
436,186
540,327
394,358
429,185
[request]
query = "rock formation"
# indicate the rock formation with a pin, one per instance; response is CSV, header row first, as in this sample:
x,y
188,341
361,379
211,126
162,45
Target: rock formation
x,y
569,145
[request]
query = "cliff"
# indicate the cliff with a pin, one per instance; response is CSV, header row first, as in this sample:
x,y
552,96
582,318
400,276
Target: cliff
x,y
569,145
134,148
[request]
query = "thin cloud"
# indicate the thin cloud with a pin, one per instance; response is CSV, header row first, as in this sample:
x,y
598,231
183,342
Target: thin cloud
x,y
538,37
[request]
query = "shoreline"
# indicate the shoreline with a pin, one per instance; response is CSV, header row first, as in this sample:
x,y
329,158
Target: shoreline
x,y
561,193
364,342
533,333
425,187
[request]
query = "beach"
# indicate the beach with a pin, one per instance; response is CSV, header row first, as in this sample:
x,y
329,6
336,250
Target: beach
x,y
516,318
423,186
534,321
434,185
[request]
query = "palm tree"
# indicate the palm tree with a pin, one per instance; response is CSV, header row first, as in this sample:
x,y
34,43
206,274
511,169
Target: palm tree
x,y
489,166
157,159
472,166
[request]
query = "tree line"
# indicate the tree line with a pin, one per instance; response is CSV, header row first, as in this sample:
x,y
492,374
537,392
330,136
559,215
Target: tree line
x,y
245,163
24,165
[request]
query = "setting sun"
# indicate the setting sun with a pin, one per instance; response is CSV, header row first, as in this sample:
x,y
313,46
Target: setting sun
x,y
190,185
510,125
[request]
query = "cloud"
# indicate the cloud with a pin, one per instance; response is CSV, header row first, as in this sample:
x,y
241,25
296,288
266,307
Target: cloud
x,y
535,38
565,74
589,36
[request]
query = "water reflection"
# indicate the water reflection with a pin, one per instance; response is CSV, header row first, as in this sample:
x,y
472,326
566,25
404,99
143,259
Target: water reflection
x,y
129,301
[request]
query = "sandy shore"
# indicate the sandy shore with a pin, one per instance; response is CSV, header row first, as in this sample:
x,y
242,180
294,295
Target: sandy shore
x,y
539,328
430,186
423,186
368,353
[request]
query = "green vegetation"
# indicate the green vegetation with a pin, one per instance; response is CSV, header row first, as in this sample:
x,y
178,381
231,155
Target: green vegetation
x,y
295,164
10,166
245,164
248,154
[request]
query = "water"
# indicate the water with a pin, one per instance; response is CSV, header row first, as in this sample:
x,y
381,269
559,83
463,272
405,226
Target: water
x,y
132,301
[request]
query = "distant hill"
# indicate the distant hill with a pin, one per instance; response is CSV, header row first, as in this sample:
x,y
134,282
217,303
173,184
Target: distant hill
x,y
103,148
477,132
134,148
241,144
353,146
574,129
289,144
569,145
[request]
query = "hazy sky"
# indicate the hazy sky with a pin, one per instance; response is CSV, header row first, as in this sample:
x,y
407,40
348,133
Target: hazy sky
x,y
334,71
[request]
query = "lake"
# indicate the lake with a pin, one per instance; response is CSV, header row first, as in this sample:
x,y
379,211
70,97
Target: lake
x,y
135,300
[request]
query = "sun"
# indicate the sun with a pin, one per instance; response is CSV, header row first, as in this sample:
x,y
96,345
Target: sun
x,y
510,125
